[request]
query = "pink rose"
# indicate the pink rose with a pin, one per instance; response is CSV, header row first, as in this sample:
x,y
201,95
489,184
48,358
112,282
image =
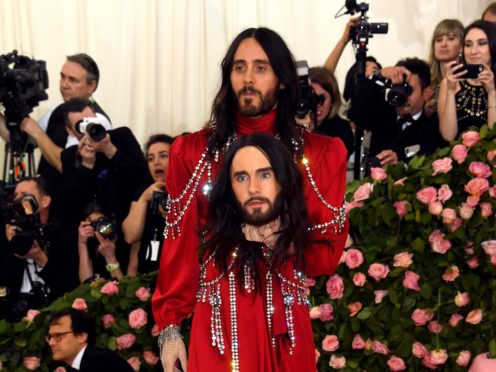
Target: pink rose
x,y
135,363
444,193
455,225
155,331
143,293
378,174
80,304
359,279
354,258
400,182
309,282
426,362
427,195
435,208
349,206
108,320
438,357
110,288
476,186
317,355
137,318
455,319
403,259
486,209
410,281
379,295
354,308
315,312
474,317
466,211
449,216
58,369
396,364
451,273
489,247
380,348
378,271
358,343
492,191
473,262
31,314
490,157
31,362
150,358
470,138
438,244
434,327
462,299
459,153
330,343
421,316
463,358
125,341
419,350
326,312
401,207
440,166
335,287
363,192
492,259
337,362
479,169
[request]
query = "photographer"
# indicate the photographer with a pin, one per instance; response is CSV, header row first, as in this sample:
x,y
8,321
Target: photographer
x,y
145,222
97,245
400,129
106,167
34,261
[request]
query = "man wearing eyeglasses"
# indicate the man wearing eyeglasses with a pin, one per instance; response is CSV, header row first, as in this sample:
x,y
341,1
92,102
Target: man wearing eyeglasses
x,y
71,337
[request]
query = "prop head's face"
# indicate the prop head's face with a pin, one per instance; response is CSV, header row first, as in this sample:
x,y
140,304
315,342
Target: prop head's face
x,y
255,186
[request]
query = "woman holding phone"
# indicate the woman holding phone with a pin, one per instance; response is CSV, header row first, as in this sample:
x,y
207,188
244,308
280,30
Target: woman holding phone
x,y
467,97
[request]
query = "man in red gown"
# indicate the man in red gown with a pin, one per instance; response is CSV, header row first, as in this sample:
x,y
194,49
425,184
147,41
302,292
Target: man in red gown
x,y
258,94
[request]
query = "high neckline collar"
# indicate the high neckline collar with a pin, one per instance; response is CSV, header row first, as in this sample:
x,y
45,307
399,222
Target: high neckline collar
x,y
247,125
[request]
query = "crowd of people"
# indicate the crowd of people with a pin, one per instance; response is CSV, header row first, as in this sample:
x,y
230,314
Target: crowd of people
x,y
235,216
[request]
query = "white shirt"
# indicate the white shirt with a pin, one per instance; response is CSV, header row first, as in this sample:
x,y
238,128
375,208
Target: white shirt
x,y
33,268
76,364
71,140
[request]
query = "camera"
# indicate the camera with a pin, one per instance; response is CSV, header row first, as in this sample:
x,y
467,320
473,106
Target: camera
x,y
362,31
23,82
105,227
159,199
24,215
308,100
92,126
397,94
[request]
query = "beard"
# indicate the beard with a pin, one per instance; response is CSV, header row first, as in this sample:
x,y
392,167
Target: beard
x,y
259,218
247,107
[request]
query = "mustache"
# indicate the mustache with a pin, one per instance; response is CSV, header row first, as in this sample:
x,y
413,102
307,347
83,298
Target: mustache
x,y
249,89
256,198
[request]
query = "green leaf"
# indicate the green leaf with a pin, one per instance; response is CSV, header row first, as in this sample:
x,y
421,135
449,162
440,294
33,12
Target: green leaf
x,y
365,313
426,291
492,349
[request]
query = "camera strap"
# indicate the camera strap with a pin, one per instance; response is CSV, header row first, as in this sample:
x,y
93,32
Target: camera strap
x,y
28,271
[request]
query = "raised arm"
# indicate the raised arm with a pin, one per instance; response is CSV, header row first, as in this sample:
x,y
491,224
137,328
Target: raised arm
x,y
333,58
446,104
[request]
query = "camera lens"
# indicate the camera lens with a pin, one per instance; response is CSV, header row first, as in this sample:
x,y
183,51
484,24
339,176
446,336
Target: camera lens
x,y
105,227
398,94
96,131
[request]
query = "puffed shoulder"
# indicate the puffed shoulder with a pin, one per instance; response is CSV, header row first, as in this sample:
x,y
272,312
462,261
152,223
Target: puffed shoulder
x,y
325,150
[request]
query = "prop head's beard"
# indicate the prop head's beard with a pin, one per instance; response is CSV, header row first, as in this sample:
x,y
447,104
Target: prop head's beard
x,y
257,217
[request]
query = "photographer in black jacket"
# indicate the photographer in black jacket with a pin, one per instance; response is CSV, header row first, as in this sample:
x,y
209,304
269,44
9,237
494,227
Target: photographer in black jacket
x,y
400,128
33,261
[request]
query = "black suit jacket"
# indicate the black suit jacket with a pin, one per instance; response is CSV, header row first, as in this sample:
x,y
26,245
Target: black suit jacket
x,y
103,360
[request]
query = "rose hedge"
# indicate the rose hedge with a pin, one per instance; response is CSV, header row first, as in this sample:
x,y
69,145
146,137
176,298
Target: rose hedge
x,y
416,289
